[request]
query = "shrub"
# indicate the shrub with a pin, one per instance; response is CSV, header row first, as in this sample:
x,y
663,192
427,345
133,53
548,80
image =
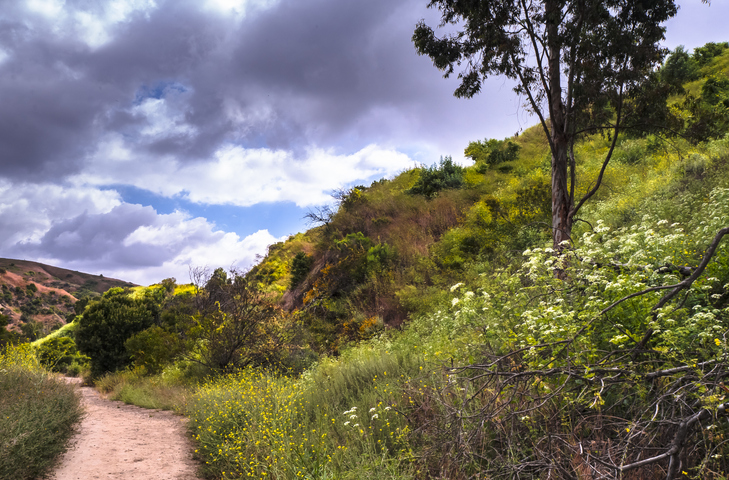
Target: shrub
x,y
490,153
234,325
153,348
300,266
445,175
107,324
678,69
58,353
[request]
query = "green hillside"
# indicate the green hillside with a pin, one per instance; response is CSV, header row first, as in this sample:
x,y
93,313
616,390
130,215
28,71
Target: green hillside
x,y
388,253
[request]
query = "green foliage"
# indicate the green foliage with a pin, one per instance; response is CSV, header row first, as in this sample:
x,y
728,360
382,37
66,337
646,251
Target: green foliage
x,y
679,69
272,273
108,323
490,153
438,177
153,348
715,90
7,336
38,413
59,353
32,330
702,120
704,55
300,266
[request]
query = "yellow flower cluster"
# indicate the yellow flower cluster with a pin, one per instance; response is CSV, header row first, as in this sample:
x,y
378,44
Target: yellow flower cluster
x,y
21,356
253,424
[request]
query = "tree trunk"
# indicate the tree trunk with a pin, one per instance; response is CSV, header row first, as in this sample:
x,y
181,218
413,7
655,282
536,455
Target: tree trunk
x,y
561,207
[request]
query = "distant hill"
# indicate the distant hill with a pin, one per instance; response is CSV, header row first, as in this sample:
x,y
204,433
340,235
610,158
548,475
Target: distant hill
x,y
35,292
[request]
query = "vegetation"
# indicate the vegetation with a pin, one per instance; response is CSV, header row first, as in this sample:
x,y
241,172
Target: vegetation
x,y
37,299
445,175
38,413
107,324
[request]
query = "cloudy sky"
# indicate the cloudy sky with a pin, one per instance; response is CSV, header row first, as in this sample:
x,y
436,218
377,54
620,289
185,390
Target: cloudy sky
x,y
141,137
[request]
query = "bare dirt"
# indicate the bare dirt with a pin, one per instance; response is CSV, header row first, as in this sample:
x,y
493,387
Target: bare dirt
x,y
118,441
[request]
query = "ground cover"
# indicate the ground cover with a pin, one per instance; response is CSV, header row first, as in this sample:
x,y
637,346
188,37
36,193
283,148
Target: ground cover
x,y
38,414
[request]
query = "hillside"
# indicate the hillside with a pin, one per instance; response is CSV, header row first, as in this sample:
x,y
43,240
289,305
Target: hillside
x,y
43,296
386,252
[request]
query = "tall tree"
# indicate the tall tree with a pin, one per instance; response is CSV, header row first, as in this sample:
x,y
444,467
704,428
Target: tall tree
x,y
581,65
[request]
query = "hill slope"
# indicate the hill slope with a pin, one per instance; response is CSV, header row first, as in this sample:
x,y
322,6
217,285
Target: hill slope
x,y
45,295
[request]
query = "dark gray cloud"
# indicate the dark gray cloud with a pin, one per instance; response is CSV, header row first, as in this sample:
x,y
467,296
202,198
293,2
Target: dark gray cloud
x,y
331,73
99,238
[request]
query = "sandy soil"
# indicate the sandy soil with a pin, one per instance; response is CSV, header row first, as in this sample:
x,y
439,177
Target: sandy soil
x,y
120,442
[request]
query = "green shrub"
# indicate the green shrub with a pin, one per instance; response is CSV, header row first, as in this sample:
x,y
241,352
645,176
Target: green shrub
x,y
107,324
678,69
490,153
704,55
153,348
58,353
443,176
300,266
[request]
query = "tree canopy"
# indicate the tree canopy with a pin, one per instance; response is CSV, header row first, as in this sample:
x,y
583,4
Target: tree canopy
x,y
582,67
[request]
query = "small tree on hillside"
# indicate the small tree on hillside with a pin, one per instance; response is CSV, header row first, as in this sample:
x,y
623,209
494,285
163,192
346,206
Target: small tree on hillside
x,y
582,65
232,326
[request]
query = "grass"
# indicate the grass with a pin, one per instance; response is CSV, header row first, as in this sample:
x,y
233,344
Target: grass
x,y
38,414
267,426
166,391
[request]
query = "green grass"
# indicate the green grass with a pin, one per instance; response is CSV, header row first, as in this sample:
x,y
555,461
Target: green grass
x,y
165,391
38,413
267,426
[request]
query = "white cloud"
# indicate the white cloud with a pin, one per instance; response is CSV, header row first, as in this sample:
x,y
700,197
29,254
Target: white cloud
x,y
162,119
94,231
27,211
238,8
214,249
244,177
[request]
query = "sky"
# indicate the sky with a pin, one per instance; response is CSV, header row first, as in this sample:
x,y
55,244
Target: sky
x,y
140,138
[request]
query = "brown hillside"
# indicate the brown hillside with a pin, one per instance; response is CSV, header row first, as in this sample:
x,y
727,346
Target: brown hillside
x,y
32,291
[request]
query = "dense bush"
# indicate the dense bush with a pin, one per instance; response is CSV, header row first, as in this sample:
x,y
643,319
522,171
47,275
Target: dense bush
x,y
59,353
300,266
490,153
153,348
107,323
443,176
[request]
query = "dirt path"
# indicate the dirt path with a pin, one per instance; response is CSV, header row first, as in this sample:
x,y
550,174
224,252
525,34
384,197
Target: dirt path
x,y
120,442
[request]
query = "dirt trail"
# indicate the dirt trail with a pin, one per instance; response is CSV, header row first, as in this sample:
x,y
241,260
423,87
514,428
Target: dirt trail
x,y
120,442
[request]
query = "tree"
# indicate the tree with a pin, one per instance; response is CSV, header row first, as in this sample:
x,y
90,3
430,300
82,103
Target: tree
x,y
107,323
233,323
679,68
582,66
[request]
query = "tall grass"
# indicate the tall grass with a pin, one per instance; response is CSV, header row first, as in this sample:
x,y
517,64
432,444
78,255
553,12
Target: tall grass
x,y
166,391
336,421
38,413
